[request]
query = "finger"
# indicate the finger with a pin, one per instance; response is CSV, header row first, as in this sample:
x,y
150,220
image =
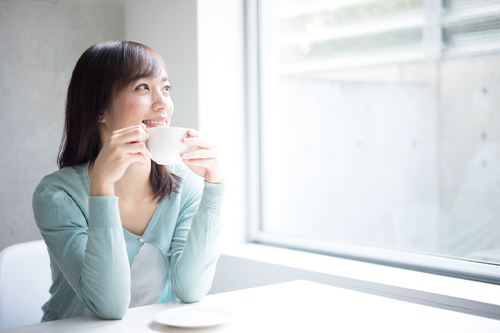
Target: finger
x,y
129,135
124,152
126,129
127,159
198,142
208,168
196,162
207,163
131,129
137,157
139,131
193,132
200,154
135,147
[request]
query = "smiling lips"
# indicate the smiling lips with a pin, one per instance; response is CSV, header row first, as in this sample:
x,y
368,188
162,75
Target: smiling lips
x,y
155,123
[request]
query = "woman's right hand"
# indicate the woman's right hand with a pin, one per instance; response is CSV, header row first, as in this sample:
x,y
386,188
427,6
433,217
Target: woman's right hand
x,y
124,147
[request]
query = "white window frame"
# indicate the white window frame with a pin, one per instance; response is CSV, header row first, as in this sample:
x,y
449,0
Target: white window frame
x,y
461,268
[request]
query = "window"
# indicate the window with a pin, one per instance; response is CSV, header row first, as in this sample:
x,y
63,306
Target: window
x,y
374,130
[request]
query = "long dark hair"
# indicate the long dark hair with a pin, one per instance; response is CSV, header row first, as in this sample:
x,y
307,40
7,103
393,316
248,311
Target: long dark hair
x,y
102,71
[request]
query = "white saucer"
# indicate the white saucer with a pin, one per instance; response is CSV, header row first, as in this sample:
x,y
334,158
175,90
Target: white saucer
x,y
193,316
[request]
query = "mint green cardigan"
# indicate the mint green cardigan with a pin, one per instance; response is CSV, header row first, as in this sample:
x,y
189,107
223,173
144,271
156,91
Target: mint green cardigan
x,y
91,254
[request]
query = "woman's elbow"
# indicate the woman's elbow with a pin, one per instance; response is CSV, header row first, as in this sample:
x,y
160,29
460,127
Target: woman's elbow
x,y
112,315
111,312
110,308
189,297
191,294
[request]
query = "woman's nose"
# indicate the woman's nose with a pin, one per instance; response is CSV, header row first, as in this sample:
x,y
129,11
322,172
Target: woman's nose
x,y
160,102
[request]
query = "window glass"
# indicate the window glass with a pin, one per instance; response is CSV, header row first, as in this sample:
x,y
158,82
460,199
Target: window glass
x,y
380,123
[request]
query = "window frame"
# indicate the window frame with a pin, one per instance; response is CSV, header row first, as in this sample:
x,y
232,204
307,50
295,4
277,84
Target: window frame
x,y
428,263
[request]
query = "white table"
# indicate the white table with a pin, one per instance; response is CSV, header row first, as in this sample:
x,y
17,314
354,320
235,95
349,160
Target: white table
x,y
298,306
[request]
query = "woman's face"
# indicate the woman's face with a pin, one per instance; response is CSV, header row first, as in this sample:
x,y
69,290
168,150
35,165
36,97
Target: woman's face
x,y
146,100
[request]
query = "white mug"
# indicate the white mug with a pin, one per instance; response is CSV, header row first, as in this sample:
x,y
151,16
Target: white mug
x,y
165,144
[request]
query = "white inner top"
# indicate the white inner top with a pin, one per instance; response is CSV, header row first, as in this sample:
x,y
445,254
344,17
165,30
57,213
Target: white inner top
x,y
148,276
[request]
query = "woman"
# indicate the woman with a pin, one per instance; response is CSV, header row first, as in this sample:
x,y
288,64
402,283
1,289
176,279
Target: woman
x,y
121,230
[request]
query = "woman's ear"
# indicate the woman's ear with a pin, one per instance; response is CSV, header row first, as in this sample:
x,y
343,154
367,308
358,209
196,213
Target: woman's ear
x,y
102,118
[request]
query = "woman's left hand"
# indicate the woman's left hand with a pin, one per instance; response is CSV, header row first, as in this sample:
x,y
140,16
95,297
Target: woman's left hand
x,y
203,159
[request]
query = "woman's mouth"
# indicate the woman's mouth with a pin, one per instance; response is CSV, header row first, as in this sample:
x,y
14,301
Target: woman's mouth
x,y
154,123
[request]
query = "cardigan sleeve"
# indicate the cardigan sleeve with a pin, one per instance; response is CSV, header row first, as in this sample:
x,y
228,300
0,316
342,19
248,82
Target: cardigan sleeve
x,y
195,249
90,254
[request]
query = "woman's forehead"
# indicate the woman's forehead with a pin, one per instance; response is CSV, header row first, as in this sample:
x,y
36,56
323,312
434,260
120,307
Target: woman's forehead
x,y
162,76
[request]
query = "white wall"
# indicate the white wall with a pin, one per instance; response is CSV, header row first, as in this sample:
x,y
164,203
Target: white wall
x,y
41,42
170,28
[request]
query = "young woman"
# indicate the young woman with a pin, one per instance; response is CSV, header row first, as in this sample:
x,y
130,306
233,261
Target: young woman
x,y
121,230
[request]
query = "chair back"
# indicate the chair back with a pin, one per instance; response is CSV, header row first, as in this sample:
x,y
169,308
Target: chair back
x,y
25,280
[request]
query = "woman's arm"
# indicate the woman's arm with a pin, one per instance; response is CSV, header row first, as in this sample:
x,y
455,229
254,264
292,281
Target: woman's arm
x,y
195,254
93,257
195,249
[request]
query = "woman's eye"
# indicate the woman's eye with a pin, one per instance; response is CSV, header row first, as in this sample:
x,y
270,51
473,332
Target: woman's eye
x,y
142,87
166,88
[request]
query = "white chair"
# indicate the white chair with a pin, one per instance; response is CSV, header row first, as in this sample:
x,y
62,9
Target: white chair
x,y
24,283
